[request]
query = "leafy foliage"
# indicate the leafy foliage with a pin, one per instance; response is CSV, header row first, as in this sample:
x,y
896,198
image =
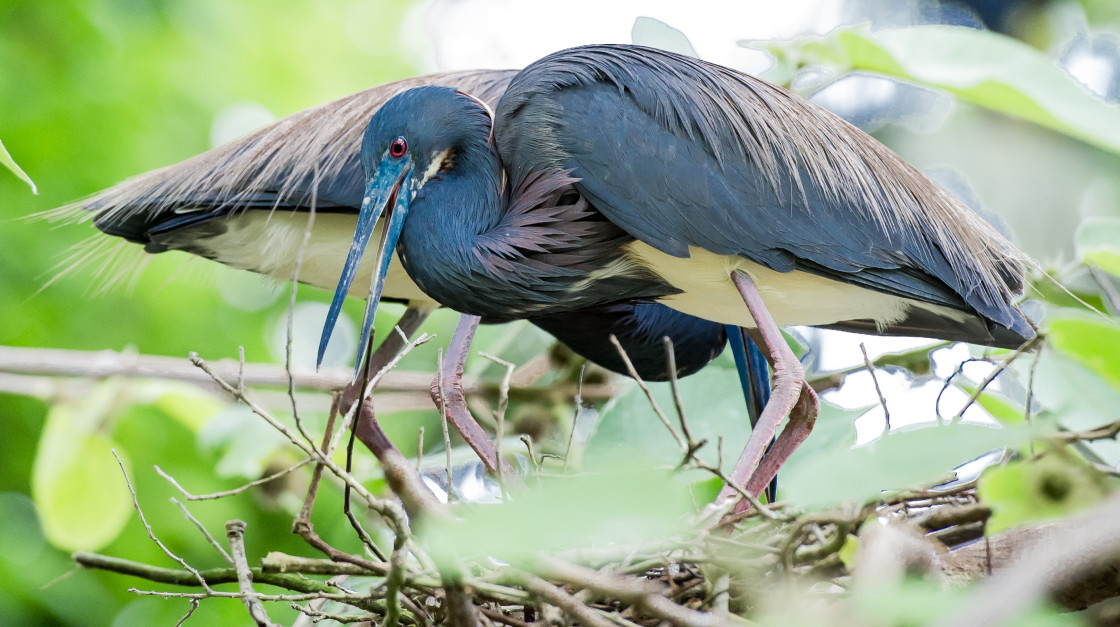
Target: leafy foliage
x,y
98,103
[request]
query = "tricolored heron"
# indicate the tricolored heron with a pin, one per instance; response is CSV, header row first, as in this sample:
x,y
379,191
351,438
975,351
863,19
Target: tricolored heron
x,y
709,190
248,203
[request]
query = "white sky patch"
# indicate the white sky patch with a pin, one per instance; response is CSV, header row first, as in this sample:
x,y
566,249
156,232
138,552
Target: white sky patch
x,y
468,34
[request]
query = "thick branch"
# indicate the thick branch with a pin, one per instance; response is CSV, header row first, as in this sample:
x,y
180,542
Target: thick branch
x,y
216,576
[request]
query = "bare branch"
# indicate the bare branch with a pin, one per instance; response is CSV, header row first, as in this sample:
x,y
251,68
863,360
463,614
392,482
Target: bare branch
x,y
152,534
875,380
649,394
238,490
235,533
202,529
500,414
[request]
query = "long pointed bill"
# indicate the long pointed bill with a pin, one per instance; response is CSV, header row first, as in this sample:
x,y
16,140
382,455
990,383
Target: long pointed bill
x,y
381,192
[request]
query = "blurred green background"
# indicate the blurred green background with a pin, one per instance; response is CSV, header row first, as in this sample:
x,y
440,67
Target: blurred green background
x,y
94,91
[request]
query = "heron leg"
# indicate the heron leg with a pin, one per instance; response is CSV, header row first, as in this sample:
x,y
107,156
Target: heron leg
x,y
411,320
788,389
454,401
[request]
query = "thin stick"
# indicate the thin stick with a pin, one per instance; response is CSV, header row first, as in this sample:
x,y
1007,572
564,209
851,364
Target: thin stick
x,y
875,380
500,414
190,611
575,419
235,533
151,534
387,508
292,303
419,448
443,419
566,602
649,395
238,490
202,529
1029,344
671,362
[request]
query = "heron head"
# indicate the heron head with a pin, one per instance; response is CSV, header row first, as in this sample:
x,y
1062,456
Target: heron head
x,y
413,139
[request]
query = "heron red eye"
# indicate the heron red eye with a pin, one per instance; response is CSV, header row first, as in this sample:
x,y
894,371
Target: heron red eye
x,y
397,148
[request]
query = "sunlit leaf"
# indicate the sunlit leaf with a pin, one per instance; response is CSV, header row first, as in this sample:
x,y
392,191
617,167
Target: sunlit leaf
x,y
1091,341
7,161
977,66
1074,398
899,459
714,407
76,483
569,512
190,405
1028,491
1098,243
657,34
997,405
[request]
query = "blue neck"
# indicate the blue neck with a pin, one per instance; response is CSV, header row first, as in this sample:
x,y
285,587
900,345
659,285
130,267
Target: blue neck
x,y
445,219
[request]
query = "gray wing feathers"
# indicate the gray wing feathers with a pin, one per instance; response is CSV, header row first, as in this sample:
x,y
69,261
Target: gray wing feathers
x,y
316,149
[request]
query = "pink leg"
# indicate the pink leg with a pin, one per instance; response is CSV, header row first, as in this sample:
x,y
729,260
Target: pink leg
x,y
789,388
455,402
411,320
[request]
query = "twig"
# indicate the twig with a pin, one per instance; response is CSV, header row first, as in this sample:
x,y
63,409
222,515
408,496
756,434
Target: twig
x,y
309,588
364,421
235,533
202,529
1104,432
148,528
292,305
388,509
642,594
102,364
948,383
443,421
304,516
500,414
502,618
1112,296
393,583
566,602
575,421
317,616
190,611
649,394
671,362
351,412
875,380
238,490
1029,344
1061,555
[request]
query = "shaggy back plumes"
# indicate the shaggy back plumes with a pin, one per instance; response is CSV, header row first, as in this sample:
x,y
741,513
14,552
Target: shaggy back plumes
x,y
799,149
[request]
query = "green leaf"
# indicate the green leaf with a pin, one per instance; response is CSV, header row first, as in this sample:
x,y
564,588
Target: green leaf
x,y
657,34
189,404
1098,243
1028,491
900,459
1000,407
569,512
979,67
713,405
75,481
7,161
1093,342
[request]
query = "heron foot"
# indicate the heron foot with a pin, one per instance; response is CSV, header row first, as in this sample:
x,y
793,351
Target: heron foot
x,y
454,401
790,396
